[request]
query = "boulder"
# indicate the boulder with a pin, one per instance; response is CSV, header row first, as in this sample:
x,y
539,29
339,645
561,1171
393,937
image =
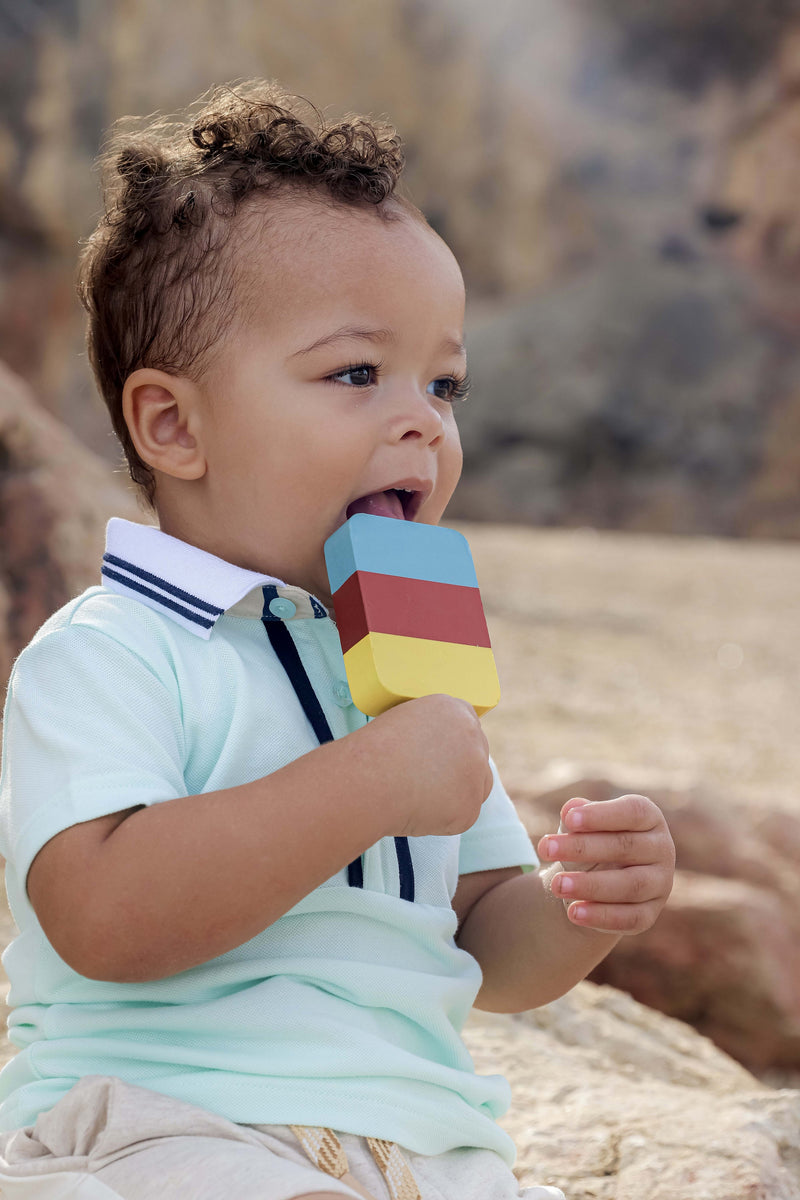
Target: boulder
x,y
752,204
725,953
612,1101
55,499
632,396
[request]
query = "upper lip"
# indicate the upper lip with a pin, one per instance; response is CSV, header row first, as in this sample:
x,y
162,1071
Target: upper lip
x,y
421,489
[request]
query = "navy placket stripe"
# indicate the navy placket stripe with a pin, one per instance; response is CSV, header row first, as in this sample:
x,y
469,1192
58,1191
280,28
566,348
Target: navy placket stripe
x,y
289,658
406,868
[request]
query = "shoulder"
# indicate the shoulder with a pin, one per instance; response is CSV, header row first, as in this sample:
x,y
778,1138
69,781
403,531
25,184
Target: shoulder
x,y
93,723
99,631
106,615
118,616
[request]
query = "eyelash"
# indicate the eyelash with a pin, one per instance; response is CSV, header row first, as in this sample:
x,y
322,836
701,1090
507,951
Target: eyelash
x,y
460,384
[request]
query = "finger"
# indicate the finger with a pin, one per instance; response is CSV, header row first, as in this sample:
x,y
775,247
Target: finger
x,y
613,918
631,885
575,802
633,812
624,847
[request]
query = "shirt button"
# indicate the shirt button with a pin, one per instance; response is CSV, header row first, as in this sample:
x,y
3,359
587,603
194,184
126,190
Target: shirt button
x,y
283,608
341,694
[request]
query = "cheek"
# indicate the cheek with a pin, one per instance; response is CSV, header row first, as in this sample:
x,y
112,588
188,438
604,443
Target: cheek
x,y
329,464
454,459
449,472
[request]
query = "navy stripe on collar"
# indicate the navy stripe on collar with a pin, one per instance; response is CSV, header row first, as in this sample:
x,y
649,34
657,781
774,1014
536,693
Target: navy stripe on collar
x,y
136,586
161,584
191,586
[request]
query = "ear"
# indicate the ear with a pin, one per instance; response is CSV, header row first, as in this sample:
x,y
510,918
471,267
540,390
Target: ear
x,y
163,414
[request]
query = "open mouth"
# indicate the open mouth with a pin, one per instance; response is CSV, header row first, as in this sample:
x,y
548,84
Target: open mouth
x,y
401,503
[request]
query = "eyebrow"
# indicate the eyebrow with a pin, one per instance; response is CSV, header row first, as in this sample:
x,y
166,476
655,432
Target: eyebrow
x,y
359,333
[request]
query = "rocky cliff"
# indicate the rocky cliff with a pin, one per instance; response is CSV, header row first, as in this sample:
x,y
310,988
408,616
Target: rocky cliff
x,y
55,498
616,179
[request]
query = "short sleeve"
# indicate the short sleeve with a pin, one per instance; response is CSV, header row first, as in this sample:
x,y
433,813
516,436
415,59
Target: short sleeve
x,y
90,729
498,838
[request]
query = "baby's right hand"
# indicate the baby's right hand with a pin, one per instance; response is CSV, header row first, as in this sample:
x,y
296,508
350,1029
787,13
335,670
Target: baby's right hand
x,y
436,761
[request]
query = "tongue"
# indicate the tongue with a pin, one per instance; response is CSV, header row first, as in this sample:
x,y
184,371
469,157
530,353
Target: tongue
x,y
379,504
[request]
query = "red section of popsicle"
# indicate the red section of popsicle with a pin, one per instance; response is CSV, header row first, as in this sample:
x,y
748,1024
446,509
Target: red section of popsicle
x,y
446,612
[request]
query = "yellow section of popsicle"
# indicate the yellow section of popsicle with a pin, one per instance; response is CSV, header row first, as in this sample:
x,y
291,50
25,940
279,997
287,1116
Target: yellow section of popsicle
x,y
385,668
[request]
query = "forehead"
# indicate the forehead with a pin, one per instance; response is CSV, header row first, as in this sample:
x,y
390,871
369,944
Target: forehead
x,y
304,255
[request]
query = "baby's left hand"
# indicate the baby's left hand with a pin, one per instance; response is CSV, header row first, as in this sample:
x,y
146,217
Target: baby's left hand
x,y
620,860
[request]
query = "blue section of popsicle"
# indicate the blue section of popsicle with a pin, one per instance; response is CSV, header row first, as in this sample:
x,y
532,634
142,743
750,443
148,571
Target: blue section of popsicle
x,y
386,546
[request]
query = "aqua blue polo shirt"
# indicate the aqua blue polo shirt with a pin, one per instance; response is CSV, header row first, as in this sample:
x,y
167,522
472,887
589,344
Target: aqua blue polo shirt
x,y
347,1011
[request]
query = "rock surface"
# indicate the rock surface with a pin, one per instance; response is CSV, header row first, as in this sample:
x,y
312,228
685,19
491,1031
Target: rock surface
x,y
615,1102
55,499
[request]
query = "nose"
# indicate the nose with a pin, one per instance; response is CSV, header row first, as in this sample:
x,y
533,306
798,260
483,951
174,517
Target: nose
x,y
418,418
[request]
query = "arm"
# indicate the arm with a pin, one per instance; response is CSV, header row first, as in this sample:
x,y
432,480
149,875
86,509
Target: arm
x,y
537,935
149,892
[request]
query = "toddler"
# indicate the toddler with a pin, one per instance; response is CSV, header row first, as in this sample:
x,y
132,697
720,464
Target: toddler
x,y
253,923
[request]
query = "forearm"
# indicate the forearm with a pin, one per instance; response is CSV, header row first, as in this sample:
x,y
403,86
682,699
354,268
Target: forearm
x,y
149,892
188,879
528,950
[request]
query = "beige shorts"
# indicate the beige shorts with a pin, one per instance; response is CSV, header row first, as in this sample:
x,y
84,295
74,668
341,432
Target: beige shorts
x,y
109,1140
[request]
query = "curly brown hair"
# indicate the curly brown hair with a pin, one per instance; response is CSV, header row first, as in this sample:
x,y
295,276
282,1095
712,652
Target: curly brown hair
x,y
158,277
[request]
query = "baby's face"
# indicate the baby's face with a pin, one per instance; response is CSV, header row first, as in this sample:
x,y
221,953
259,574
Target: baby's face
x,y
338,389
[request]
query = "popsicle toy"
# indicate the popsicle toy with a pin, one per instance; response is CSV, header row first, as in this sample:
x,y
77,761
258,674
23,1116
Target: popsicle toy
x,y
409,614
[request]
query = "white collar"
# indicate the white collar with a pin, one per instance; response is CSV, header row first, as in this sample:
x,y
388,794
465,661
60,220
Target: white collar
x,y
190,585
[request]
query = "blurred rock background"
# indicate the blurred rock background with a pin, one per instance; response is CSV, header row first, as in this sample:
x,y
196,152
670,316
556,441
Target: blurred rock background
x,y
618,179
621,183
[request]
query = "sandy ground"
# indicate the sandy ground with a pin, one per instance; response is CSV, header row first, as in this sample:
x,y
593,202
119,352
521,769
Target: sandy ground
x,y
655,658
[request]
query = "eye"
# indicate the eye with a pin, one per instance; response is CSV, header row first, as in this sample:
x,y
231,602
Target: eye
x,y
450,388
357,375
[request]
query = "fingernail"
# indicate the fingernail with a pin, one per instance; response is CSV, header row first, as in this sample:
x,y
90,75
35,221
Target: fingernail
x,y
575,818
566,884
551,848
579,912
